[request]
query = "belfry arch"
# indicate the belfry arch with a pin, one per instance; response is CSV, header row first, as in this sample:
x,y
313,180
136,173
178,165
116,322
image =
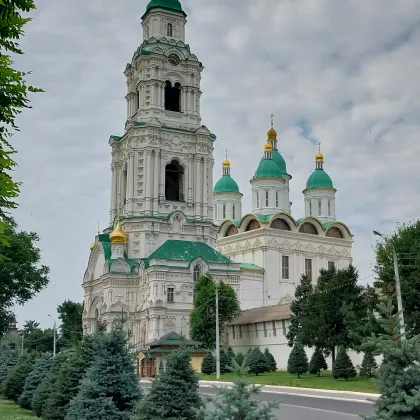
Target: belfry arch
x,y
172,96
174,181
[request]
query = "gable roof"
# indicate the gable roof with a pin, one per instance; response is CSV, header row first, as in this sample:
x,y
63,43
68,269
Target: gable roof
x,y
264,314
177,250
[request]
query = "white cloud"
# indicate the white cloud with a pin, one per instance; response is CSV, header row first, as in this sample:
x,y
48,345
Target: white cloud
x,y
348,69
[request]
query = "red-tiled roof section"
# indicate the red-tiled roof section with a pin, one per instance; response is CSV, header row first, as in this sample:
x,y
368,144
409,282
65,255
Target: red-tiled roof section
x,y
264,314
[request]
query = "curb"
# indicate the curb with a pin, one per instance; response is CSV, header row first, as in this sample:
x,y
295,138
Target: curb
x,y
306,392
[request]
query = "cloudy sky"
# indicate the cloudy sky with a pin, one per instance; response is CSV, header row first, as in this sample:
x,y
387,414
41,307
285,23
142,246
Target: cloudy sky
x,y
345,73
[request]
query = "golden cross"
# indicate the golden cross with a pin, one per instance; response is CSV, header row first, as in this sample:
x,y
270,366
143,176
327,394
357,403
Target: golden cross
x,y
319,147
226,153
272,120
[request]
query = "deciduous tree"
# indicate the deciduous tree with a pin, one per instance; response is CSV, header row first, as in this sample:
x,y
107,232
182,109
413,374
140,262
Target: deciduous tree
x,y
71,328
203,315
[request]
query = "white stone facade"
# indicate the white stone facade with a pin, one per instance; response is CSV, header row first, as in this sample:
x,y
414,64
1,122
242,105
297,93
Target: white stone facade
x,y
227,206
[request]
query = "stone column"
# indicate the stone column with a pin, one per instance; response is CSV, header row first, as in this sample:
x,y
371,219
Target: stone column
x,y
190,178
210,189
205,194
156,173
130,179
147,177
197,188
135,176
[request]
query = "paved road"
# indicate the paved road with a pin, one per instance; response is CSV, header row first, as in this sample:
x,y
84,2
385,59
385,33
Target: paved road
x,y
293,407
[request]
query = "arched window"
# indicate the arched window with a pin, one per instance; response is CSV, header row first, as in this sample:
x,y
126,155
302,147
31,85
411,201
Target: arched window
x,y
266,199
329,208
173,96
196,273
169,29
252,225
308,228
310,208
277,199
334,232
280,224
258,200
319,208
224,211
233,212
174,182
233,230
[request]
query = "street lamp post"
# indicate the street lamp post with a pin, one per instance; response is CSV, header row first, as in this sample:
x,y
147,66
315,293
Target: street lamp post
x,y
397,284
54,335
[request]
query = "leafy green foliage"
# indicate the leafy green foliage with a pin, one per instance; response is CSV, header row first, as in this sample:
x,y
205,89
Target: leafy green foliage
x,y
110,385
71,329
238,402
297,363
21,276
343,366
41,368
406,240
299,311
208,365
44,389
321,321
15,380
36,339
317,362
203,315
257,362
13,99
271,361
69,377
369,365
9,355
398,378
174,394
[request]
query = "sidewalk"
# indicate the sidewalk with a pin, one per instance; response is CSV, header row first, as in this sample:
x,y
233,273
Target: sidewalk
x,y
307,392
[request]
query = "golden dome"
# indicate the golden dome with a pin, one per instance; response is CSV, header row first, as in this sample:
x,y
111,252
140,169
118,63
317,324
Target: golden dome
x,y
226,163
268,147
92,245
118,235
319,157
272,134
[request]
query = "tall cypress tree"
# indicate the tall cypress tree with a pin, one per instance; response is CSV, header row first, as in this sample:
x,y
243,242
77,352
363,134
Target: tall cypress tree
x,y
174,395
298,360
41,368
110,389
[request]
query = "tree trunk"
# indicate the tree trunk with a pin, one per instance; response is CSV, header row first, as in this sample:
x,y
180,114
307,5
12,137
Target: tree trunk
x,y
333,354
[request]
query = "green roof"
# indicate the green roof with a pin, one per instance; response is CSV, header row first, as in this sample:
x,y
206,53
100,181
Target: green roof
x,y
265,218
268,169
249,266
278,158
172,339
176,250
174,5
226,184
319,179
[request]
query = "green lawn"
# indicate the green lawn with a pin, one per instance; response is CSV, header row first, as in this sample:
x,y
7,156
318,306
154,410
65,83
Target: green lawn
x,y
325,381
10,411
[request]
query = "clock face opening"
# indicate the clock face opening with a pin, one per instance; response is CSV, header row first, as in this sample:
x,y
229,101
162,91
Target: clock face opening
x,y
174,59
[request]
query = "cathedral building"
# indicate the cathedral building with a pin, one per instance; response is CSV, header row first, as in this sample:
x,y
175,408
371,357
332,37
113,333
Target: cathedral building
x,y
168,225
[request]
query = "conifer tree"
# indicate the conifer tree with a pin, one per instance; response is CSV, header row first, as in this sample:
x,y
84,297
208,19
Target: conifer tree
x,y
110,389
317,362
238,402
343,367
271,361
231,355
174,394
239,358
298,360
46,386
369,365
224,362
41,368
8,358
15,381
257,362
69,377
208,365
398,378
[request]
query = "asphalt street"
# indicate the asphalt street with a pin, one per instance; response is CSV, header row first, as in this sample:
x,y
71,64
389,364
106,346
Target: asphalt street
x,y
295,407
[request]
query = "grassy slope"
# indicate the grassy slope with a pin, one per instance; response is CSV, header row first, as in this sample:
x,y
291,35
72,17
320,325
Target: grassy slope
x,y
358,384
10,411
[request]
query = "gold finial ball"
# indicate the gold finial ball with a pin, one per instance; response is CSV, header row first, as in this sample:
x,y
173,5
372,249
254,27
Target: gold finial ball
x,y
118,235
226,163
319,157
92,245
268,147
272,134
